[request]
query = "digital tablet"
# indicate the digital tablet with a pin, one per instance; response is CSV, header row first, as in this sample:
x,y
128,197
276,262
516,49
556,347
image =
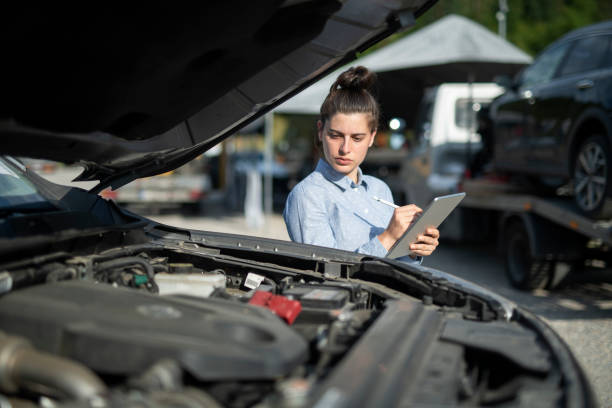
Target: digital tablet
x,y
432,216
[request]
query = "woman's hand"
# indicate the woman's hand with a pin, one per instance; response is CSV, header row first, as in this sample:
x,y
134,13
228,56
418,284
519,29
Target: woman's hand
x,y
426,243
402,218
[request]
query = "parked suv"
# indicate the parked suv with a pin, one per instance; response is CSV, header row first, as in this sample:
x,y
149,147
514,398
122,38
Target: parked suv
x,y
555,119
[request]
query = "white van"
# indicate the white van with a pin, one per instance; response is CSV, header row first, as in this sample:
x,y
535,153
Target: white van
x,y
446,138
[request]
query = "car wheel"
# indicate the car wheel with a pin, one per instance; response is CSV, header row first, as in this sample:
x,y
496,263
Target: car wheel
x,y
592,177
523,271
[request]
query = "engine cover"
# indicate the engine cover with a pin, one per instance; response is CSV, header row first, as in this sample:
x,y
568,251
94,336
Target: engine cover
x,y
123,331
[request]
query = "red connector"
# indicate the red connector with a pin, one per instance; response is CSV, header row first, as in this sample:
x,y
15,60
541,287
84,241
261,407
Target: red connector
x,y
284,308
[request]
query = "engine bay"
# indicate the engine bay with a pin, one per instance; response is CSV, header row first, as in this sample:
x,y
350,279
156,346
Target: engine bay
x,y
158,325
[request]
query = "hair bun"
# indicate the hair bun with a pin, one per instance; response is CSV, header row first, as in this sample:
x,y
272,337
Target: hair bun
x,y
352,92
355,78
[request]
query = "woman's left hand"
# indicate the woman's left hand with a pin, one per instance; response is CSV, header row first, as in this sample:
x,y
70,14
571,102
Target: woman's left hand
x,y
426,243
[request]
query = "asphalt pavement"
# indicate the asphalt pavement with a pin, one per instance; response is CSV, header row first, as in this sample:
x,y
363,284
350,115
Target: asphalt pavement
x,y
580,310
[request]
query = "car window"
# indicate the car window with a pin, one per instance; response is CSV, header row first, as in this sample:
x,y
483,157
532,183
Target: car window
x,y
15,190
607,60
587,54
545,66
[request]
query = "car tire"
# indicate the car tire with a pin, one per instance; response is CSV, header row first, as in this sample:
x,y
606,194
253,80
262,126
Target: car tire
x,y
591,177
523,271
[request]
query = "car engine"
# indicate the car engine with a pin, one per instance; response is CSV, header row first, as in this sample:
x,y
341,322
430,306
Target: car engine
x,y
191,326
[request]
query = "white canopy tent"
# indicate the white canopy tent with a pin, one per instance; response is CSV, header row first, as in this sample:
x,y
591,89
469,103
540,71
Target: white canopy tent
x,y
452,39
452,49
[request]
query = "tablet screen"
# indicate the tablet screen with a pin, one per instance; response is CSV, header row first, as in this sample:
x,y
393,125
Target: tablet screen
x,y
432,216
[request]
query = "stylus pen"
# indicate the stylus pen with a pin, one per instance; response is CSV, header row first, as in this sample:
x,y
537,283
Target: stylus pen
x,y
380,200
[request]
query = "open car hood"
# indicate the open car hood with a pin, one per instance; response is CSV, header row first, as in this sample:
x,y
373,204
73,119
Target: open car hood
x,y
130,93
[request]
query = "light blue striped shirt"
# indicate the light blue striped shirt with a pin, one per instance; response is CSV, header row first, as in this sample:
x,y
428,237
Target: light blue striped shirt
x,y
329,209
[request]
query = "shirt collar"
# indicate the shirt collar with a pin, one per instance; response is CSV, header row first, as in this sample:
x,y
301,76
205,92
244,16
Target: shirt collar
x,y
338,178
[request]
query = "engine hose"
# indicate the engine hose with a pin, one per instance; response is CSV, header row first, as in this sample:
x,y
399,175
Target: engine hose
x,y
131,261
124,251
126,261
271,283
23,367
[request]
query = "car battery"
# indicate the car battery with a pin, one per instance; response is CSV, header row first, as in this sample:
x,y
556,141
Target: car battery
x,y
318,297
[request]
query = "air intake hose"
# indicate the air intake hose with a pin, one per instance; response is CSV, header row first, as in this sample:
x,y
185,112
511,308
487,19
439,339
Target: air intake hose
x,y
23,367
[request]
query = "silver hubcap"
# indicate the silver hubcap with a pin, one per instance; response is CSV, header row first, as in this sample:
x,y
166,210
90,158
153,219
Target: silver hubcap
x,y
590,176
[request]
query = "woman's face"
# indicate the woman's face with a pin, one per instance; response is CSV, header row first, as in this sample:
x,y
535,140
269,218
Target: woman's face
x,y
346,139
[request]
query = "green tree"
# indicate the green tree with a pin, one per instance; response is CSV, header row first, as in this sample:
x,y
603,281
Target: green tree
x,y
531,25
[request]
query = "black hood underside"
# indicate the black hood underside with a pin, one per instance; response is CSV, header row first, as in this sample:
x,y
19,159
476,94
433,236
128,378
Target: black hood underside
x,y
130,92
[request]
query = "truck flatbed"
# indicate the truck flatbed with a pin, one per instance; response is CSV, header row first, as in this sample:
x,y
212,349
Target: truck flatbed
x,y
560,210
545,227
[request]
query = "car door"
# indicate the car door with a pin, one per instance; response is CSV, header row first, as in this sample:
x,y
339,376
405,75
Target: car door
x,y
508,113
556,101
514,121
536,99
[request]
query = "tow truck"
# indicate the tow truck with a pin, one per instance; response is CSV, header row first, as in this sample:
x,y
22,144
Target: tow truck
x,y
542,237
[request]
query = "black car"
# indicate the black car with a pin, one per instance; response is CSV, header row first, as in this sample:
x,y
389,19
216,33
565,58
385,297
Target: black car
x,y
101,307
555,121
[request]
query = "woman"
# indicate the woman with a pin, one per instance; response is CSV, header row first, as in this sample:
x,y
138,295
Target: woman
x,y
334,205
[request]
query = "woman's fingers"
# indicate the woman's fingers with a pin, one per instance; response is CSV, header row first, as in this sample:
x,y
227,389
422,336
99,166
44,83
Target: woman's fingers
x,y
407,214
408,210
427,239
426,243
432,232
422,249
401,220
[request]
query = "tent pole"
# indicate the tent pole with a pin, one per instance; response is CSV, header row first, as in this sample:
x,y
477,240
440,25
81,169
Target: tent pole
x,y
471,121
501,18
268,153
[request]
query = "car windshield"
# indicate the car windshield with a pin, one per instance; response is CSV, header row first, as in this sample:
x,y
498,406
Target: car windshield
x,y
17,192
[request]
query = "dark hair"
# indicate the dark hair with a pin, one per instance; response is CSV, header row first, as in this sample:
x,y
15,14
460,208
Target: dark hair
x,y
353,92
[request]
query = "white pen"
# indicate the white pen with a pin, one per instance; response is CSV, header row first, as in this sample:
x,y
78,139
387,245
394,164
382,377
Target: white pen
x,y
380,200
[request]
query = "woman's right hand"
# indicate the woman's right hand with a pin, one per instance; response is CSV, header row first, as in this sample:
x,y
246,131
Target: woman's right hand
x,y
402,218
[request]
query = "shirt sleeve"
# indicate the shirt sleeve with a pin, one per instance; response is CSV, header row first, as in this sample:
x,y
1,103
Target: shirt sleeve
x,y
407,259
373,247
306,219
308,222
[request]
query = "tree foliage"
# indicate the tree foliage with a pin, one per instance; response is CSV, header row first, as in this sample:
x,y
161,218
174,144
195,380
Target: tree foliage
x,y
531,24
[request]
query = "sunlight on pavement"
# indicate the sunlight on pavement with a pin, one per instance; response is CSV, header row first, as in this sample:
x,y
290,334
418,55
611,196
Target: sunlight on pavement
x,y
571,304
604,304
273,226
